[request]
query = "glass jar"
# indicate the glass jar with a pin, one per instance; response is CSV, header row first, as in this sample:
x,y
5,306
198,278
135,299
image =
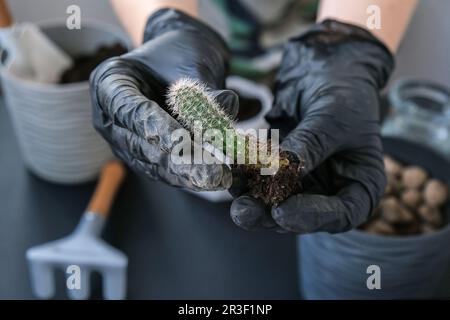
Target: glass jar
x,y
420,113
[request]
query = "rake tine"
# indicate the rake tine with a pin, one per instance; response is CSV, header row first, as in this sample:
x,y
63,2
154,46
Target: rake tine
x,y
114,283
42,279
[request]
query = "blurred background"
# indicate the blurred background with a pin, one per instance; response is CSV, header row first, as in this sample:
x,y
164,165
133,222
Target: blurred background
x,y
423,52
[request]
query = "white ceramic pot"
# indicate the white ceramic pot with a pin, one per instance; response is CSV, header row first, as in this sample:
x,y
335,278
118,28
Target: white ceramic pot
x,y
53,122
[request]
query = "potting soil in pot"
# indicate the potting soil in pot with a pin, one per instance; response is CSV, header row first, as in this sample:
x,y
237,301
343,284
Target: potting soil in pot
x,y
84,64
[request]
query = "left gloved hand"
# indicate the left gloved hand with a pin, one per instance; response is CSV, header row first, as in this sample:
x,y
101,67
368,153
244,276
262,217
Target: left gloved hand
x,y
129,94
326,99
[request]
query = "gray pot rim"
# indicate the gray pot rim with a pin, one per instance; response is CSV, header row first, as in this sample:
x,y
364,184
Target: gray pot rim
x,y
408,238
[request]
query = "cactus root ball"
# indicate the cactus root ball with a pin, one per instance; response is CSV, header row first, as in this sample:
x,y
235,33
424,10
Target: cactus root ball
x,y
273,189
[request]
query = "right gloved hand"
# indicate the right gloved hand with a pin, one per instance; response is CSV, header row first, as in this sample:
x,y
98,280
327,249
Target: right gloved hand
x,y
327,107
128,94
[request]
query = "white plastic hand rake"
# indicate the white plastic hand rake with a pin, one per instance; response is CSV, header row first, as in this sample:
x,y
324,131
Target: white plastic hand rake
x,y
84,249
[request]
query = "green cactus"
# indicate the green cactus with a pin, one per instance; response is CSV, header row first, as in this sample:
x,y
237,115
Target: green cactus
x,y
192,104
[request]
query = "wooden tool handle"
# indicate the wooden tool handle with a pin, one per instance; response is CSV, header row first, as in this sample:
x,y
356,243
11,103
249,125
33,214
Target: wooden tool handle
x,y
111,177
5,15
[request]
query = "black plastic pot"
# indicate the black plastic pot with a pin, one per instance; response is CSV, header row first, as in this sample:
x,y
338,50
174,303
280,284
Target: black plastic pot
x,y
335,266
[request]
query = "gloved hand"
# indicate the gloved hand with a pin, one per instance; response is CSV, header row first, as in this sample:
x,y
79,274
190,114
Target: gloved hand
x,y
326,100
129,94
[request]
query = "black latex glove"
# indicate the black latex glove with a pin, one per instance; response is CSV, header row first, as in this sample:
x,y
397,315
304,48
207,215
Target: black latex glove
x,y
326,100
129,94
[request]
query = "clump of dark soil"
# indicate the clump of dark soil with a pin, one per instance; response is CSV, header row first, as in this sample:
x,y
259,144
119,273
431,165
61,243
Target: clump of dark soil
x,y
273,189
84,64
270,189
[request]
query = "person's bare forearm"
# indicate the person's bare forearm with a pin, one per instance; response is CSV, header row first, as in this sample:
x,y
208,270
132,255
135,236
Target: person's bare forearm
x,y
394,16
133,14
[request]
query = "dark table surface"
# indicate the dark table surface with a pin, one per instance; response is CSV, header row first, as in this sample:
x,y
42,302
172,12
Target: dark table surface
x,y
179,246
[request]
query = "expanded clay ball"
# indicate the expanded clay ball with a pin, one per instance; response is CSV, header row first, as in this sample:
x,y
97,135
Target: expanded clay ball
x,y
411,197
393,184
391,166
427,228
413,177
435,193
430,215
380,227
393,212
